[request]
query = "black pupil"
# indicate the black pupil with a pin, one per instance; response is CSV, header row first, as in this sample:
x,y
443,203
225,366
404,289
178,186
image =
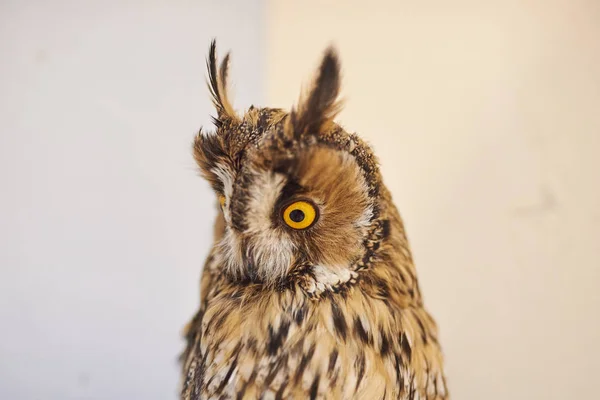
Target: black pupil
x,y
297,216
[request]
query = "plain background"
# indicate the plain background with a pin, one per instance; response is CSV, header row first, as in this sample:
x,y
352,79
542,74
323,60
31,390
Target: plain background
x,y
104,221
485,116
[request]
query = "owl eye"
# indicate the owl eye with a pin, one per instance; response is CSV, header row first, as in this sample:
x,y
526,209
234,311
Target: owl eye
x,y
222,200
300,215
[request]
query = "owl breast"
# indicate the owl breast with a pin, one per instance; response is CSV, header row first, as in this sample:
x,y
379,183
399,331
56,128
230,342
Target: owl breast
x,y
353,344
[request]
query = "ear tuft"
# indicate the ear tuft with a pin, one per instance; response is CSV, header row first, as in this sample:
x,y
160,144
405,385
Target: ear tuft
x,y
217,84
321,105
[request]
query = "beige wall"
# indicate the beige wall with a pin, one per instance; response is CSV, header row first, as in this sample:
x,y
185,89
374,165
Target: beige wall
x,y
104,221
486,117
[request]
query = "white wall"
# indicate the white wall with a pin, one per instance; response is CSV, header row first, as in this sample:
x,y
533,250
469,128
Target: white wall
x,y
104,224
486,116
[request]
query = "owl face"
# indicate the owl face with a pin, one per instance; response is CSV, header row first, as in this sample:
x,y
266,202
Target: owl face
x,y
297,194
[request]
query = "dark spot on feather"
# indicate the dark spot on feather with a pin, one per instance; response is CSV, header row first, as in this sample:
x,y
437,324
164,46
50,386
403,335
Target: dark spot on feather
x,y
403,279
360,366
386,228
219,321
279,394
299,315
334,378
332,360
339,322
209,381
383,289
385,343
304,362
240,393
232,368
275,368
422,327
399,378
405,346
366,258
314,387
374,191
276,339
360,330
251,345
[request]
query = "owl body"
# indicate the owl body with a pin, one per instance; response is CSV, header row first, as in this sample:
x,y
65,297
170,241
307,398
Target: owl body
x,y
309,290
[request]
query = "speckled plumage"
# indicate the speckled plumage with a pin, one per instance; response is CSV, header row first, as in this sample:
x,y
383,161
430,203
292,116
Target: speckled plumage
x,y
330,312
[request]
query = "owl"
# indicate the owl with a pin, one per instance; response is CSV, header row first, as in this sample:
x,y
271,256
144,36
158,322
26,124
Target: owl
x,y
309,290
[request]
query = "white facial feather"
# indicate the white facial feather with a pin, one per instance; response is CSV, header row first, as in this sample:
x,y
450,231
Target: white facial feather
x,y
271,248
229,252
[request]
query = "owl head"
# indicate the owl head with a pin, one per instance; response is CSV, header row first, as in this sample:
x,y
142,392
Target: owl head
x,y
298,196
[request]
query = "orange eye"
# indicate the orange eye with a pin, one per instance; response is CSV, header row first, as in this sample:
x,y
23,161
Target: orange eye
x,y
300,215
222,200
